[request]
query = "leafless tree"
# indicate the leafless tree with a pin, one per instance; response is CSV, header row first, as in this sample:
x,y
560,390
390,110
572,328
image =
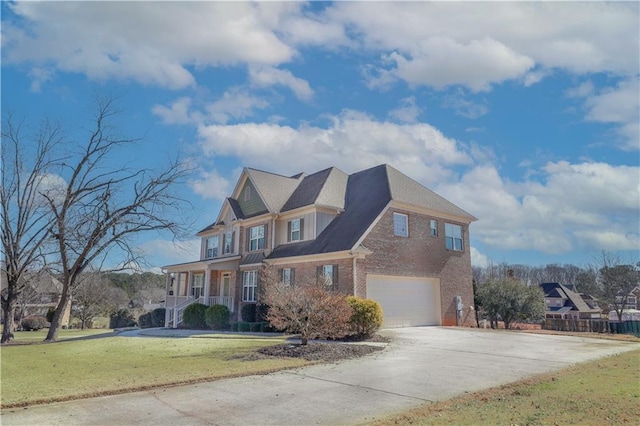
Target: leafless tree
x,y
25,219
616,279
101,208
306,307
94,296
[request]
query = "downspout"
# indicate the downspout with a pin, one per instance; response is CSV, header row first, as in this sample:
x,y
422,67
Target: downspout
x,y
355,277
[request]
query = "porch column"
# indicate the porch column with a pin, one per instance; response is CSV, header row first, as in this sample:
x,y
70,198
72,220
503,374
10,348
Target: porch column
x,y
207,284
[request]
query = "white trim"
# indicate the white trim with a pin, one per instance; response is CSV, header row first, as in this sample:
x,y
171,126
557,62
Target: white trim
x,y
336,255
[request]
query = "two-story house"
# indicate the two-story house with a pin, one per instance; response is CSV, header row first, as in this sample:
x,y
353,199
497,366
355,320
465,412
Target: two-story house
x,y
563,302
375,233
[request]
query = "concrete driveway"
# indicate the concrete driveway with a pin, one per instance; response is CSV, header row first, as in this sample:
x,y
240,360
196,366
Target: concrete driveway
x,y
421,364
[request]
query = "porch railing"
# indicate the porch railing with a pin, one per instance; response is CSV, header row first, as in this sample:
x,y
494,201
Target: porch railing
x,y
222,300
174,314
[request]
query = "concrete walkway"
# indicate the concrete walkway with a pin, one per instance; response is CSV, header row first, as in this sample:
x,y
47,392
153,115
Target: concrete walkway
x,y
421,364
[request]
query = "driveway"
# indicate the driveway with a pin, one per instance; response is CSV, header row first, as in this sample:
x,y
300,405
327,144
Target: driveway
x,y
422,364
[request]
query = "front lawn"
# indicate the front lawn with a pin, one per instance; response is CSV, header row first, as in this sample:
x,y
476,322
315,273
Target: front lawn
x,y
40,373
605,391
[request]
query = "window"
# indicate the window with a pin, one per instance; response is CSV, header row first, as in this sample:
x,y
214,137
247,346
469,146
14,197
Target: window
x,y
182,284
434,228
256,238
295,230
400,225
211,247
328,274
453,236
249,286
198,285
247,193
228,242
287,276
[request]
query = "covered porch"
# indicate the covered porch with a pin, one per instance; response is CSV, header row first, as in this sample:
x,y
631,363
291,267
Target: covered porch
x,y
205,282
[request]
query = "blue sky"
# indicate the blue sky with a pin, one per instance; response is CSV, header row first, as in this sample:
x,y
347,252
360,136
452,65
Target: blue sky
x,y
524,114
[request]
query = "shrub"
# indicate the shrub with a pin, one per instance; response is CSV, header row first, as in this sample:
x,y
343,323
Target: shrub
x,y
50,313
145,321
34,322
262,310
193,316
366,318
248,313
121,318
217,317
157,317
254,327
243,326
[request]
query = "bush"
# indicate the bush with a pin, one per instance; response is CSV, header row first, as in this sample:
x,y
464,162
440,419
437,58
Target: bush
x,y
34,322
367,316
50,313
121,318
145,321
217,317
248,313
193,316
262,310
243,326
157,317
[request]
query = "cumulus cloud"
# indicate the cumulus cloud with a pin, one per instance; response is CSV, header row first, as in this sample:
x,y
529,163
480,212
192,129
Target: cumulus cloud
x,y
407,112
152,43
465,107
352,141
265,76
478,259
211,185
574,206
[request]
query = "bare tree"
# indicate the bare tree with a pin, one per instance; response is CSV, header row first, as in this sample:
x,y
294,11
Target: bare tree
x,y
94,296
101,208
306,307
26,163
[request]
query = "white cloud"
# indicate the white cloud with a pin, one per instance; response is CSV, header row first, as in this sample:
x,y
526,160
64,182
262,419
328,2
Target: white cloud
x,y
352,141
171,252
178,112
478,259
149,42
587,205
619,105
407,112
442,61
211,185
235,103
265,76
460,103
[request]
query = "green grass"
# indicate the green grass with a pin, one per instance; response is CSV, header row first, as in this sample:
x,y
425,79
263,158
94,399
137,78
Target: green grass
x,y
606,391
22,337
40,373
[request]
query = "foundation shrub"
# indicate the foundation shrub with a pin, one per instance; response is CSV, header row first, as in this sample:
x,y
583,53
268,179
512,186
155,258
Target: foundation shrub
x,y
157,317
248,313
194,316
366,318
217,317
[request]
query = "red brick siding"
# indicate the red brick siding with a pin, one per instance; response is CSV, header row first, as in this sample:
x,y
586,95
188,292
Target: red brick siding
x,y
308,270
421,255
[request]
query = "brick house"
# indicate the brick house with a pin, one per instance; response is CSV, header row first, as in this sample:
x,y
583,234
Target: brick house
x,y
375,233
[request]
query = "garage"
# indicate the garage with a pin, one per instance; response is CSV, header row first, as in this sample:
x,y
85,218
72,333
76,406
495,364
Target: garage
x,y
406,301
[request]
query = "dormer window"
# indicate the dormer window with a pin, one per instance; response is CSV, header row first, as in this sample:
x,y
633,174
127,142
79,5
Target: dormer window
x,y
294,231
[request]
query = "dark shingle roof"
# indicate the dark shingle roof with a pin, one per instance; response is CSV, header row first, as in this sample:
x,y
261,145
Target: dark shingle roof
x,y
367,195
252,259
307,192
574,299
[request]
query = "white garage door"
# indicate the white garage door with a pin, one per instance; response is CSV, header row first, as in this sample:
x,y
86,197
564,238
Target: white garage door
x,y
406,301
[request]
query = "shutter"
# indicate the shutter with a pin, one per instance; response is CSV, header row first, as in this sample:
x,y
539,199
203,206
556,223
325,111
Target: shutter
x,y
318,274
264,243
335,277
301,229
293,276
233,240
289,231
281,274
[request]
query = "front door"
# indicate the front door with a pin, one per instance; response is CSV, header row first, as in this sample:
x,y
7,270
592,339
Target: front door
x,y
225,285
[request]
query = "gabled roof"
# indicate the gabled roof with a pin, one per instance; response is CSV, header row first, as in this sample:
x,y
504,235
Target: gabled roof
x,y
326,187
557,290
274,189
367,195
407,190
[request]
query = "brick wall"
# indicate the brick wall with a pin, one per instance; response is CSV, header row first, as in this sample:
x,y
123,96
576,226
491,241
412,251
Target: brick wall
x,y
421,255
308,271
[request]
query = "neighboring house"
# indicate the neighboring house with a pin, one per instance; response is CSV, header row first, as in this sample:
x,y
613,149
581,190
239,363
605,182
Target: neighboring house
x,y
563,302
633,299
376,234
42,292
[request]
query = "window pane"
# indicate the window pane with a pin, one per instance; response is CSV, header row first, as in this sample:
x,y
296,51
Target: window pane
x,y
400,227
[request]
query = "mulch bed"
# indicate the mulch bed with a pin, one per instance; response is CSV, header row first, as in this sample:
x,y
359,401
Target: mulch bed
x,y
319,351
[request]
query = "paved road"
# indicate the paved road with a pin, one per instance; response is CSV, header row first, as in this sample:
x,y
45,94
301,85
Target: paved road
x,y
422,364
